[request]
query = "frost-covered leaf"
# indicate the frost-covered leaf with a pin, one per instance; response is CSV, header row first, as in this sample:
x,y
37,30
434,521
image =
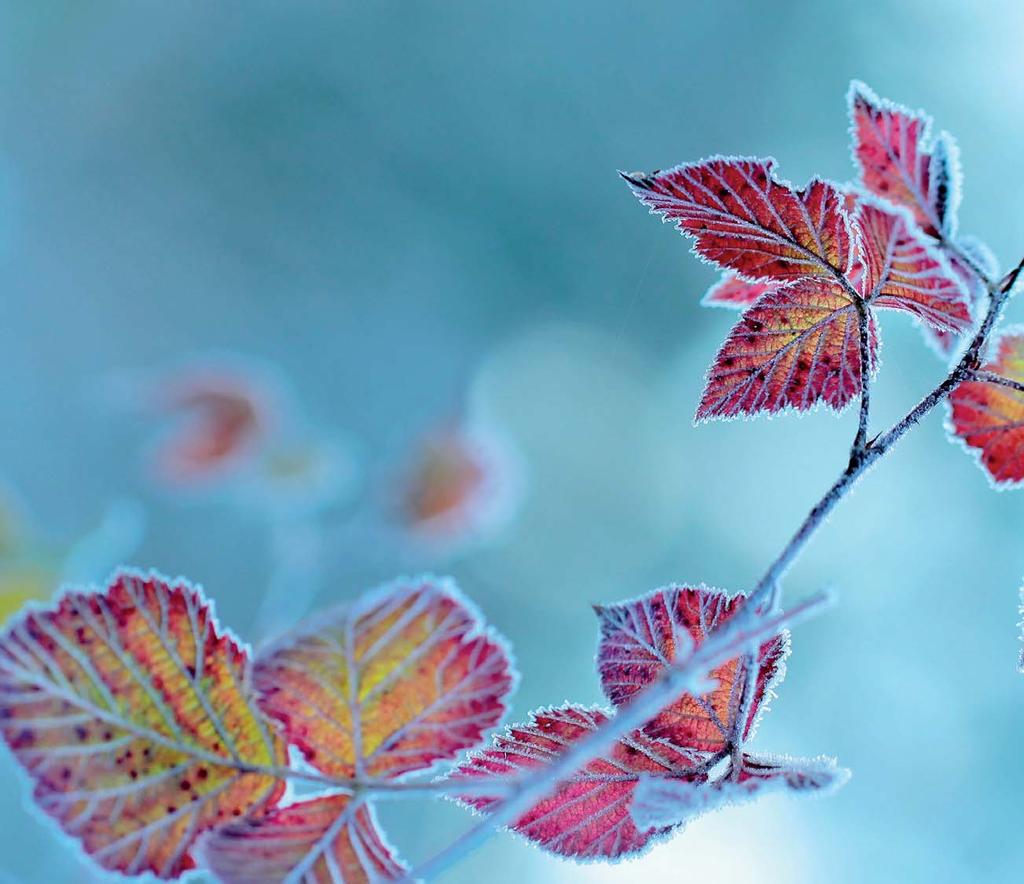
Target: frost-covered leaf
x,y
903,272
900,162
403,678
331,839
640,638
659,801
795,348
989,417
134,716
982,264
741,217
587,815
732,291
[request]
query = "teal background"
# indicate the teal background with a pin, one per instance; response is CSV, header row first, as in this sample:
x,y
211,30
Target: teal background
x,y
407,206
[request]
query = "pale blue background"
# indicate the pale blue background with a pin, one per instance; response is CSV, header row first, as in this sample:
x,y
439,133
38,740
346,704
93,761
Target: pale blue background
x,y
406,203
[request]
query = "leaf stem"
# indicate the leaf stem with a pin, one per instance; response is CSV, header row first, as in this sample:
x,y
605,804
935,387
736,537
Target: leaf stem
x,y
990,377
370,787
864,330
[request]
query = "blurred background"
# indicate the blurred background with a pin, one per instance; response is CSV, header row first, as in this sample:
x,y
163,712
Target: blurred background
x,y
407,215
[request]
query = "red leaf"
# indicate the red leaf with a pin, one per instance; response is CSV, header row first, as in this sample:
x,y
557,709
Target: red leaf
x,y
640,638
586,816
900,162
742,218
990,417
660,801
732,291
331,838
403,678
902,272
796,347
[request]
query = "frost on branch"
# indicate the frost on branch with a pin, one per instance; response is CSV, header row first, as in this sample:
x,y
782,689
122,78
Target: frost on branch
x,y
989,417
742,218
660,802
641,638
587,816
333,838
134,716
394,683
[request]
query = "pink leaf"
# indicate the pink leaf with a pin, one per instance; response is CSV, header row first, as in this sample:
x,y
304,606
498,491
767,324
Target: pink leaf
x,y
586,816
640,638
732,291
900,162
742,218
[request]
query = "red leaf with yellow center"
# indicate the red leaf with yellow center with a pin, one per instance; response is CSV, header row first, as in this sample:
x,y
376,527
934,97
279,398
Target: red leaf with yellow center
x,y
989,417
587,815
403,678
327,839
741,217
900,162
134,716
641,638
796,347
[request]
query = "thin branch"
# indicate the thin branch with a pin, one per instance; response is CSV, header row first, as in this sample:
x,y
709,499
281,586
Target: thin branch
x,y
969,363
990,377
722,644
371,787
864,330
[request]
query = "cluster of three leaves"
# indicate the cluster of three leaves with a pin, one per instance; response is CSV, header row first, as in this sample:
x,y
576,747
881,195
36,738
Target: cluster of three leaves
x,y
155,741
797,261
806,265
152,739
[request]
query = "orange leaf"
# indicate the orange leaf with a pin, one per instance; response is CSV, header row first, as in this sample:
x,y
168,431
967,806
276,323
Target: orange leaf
x,y
990,417
331,838
135,718
399,680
